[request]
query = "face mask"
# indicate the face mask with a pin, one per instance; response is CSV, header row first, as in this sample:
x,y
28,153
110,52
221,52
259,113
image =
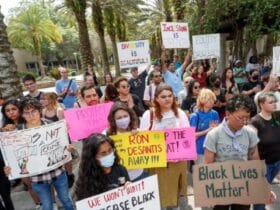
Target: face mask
x,y
123,122
217,84
255,77
108,160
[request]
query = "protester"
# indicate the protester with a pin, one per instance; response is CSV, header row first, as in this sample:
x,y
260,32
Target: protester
x,y
231,140
189,103
123,119
131,100
228,83
137,82
149,93
41,184
100,169
239,74
29,83
267,125
166,114
66,89
172,76
183,93
204,119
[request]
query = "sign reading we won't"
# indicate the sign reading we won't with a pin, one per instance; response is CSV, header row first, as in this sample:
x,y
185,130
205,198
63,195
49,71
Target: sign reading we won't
x,y
239,182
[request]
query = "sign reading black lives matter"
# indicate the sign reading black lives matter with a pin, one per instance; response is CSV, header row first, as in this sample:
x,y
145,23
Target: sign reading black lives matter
x,y
239,182
34,151
141,195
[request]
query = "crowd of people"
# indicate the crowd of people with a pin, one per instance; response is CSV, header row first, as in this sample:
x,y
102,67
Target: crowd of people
x,y
235,115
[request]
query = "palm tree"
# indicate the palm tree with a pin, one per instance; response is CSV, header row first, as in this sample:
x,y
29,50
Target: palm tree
x,y
30,28
78,7
9,82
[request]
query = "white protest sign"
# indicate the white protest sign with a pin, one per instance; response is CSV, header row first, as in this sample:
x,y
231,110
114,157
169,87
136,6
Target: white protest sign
x,y
175,35
276,61
142,195
206,46
133,53
34,151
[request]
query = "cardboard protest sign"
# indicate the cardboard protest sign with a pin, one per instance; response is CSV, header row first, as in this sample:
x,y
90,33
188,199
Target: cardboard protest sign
x,y
141,195
143,150
231,182
133,53
276,61
180,144
85,121
206,46
35,151
175,35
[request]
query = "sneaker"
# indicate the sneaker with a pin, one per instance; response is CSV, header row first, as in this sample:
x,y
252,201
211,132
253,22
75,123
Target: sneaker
x,y
71,180
38,207
55,206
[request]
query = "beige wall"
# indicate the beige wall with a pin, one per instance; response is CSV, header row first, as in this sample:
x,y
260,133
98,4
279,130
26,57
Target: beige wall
x,y
22,57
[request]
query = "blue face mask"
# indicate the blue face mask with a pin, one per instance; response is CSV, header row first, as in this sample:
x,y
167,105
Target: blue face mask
x,y
108,160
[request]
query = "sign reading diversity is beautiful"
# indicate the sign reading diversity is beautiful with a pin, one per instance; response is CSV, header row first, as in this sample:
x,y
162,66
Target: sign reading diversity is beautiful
x,y
175,35
141,195
133,53
276,61
206,46
142,150
84,121
241,182
180,144
36,150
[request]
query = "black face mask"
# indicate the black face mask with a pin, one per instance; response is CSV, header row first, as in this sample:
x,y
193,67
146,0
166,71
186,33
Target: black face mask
x,y
217,84
255,77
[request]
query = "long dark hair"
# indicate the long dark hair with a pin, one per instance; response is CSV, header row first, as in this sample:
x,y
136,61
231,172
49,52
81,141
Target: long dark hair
x,y
92,179
111,118
6,119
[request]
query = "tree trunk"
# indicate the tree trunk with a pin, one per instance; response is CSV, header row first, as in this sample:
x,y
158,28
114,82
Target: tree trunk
x,y
9,82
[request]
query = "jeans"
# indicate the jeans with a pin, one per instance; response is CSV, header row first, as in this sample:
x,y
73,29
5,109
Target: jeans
x,y
271,172
43,190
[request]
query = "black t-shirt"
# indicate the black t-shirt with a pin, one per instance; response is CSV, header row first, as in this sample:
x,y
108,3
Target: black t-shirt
x,y
189,104
137,86
268,133
117,171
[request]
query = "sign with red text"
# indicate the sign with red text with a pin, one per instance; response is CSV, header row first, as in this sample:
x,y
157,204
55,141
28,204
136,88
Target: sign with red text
x,y
206,46
83,122
175,35
142,150
141,195
134,53
276,61
180,144
231,182
35,151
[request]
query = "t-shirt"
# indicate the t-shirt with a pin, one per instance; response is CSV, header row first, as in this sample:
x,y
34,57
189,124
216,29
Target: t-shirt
x,y
228,145
202,79
62,85
117,171
268,133
137,86
169,120
201,121
174,79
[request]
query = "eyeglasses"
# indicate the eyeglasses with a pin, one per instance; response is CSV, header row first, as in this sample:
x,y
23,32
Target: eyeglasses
x,y
244,120
31,113
125,86
196,87
105,153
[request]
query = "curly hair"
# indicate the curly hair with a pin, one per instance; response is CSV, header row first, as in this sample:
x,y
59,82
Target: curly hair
x,y
7,120
111,118
174,107
92,180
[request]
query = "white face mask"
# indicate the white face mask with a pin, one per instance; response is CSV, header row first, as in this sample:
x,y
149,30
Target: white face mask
x,y
123,122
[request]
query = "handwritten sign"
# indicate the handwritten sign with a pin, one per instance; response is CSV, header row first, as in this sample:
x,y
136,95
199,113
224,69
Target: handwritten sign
x,y
85,121
206,46
35,151
133,53
143,150
175,35
141,195
180,144
233,182
276,61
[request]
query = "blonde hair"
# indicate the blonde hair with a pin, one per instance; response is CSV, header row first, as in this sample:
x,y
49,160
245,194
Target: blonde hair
x,y
204,96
